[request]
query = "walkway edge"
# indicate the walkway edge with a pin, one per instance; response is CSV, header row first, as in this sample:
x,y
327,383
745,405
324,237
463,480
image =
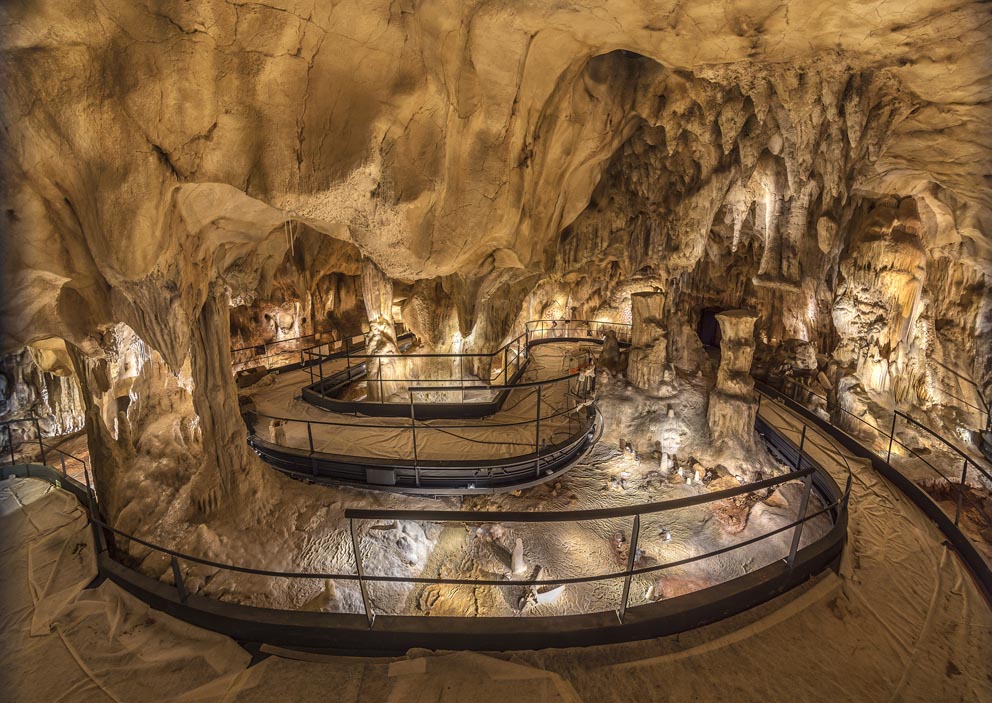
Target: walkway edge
x,y
962,545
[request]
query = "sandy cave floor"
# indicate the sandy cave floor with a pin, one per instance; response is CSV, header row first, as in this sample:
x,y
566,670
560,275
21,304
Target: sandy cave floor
x,y
902,621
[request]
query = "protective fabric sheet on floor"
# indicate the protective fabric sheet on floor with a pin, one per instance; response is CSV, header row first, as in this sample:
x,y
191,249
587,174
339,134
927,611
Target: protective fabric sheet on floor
x,y
62,643
448,678
45,561
904,623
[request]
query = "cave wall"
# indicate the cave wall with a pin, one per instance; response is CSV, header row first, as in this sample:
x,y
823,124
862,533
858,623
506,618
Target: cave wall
x,y
164,160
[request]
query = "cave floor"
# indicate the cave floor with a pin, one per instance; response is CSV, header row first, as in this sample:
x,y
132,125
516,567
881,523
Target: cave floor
x,y
901,621
510,432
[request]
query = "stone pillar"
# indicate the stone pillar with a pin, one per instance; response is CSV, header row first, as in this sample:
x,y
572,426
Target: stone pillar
x,y
377,292
733,402
649,344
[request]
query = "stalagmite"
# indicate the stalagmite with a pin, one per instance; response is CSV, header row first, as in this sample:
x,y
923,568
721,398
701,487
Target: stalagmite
x,y
733,403
517,564
649,345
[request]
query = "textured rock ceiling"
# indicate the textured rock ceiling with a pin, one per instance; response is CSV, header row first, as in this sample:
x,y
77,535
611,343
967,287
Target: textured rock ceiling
x,y
152,148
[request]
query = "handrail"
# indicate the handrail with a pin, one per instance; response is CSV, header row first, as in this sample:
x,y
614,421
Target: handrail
x,y
574,515
511,352
897,413
986,408
43,448
890,435
837,507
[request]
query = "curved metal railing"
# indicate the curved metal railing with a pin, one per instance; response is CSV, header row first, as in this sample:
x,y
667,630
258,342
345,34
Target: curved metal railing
x,y
70,465
769,579
885,444
565,422
501,368
288,352
552,440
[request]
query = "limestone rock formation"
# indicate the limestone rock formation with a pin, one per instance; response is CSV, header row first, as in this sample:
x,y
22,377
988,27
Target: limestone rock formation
x,y
292,166
733,402
648,354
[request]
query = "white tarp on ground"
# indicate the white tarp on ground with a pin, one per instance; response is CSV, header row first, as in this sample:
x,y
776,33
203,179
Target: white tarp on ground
x,y
63,643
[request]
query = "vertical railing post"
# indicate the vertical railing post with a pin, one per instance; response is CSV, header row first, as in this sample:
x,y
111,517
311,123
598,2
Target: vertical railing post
x,y
798,530
413,429
892,435
320,373
313,464
177,574
461,375
62,459
802,444
361,575
537,436
41,445
506,369
961,486
378,364
10,439
635,533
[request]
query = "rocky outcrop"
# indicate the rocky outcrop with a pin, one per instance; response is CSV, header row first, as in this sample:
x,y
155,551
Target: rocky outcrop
x,y
733,403
162,159
648,356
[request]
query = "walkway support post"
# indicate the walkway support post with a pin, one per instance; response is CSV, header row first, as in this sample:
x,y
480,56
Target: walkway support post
x,y
177,574
413,429
537,436
10,440
801,518
802,445
892,434
635,534
964,476
361,575
313,465
41,445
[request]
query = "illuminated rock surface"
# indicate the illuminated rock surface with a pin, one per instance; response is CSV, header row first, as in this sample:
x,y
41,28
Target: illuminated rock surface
x,y
184,178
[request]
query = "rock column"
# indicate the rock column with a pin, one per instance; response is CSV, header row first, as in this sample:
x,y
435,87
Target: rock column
x,y
733,402
649,343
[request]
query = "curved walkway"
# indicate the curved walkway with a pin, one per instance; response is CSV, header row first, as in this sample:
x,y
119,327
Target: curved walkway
x,y
510,432
902,622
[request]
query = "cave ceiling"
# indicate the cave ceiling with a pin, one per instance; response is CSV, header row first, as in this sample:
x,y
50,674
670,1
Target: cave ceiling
x,y
154,151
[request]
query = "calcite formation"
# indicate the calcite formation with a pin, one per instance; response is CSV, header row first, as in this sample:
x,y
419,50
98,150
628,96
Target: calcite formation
x,y
733,402
201,175
648,355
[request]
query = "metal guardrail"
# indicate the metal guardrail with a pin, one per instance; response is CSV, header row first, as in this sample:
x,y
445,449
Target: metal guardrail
x,y
281,353
983,408
765,583
802,395
46,452
555,444
408,468
512,357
